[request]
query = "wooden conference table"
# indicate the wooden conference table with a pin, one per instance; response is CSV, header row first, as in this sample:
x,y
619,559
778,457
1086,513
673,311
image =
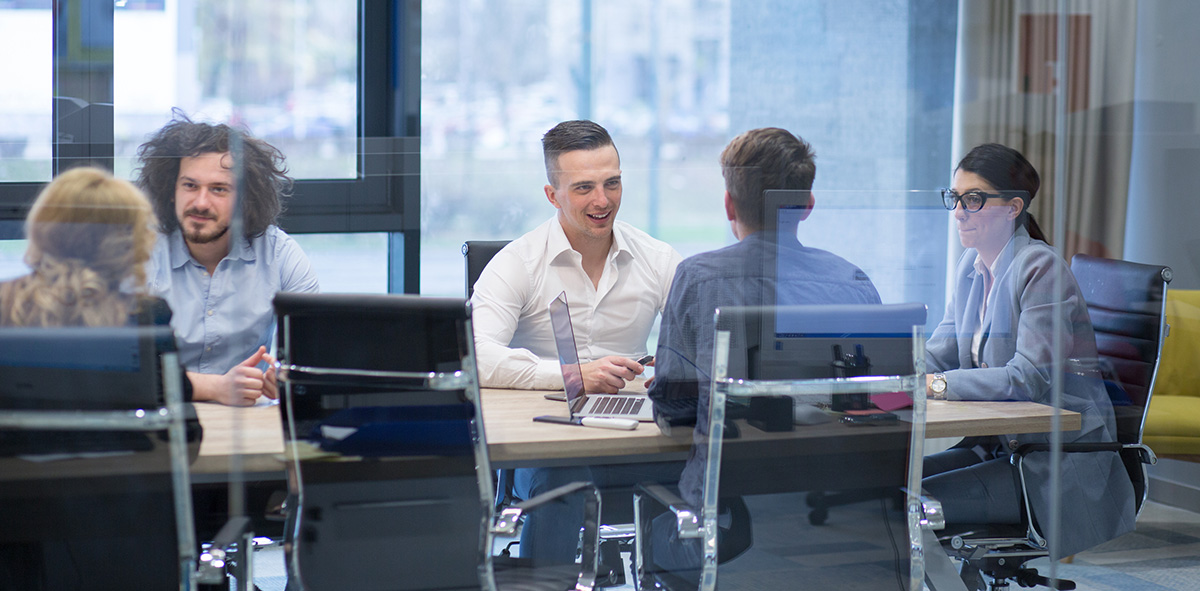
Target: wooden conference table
x,y
250,440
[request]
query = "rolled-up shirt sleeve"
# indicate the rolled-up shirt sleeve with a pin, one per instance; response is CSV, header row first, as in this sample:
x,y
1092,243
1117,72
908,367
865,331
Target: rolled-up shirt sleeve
x,y
500,294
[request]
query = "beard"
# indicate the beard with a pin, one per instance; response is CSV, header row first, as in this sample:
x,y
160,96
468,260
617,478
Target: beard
x,y
197,236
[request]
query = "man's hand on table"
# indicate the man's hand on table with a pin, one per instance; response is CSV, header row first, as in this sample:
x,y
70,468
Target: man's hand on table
x,y
241,386
609,374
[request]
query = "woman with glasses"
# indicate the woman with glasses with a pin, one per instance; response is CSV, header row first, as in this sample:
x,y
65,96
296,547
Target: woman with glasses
x,y
1013,298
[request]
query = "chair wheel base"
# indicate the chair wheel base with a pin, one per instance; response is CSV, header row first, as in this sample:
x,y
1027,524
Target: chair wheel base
x,y
1024,577
1028,577
612,566
818,516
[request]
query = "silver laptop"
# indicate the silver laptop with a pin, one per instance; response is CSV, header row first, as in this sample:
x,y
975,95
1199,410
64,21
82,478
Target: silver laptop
x,y
579,403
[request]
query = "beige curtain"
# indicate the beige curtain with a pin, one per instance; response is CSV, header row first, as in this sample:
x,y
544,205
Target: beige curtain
x,y
1006,93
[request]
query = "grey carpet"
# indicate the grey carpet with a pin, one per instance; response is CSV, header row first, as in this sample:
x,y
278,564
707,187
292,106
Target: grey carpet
x,y
851,552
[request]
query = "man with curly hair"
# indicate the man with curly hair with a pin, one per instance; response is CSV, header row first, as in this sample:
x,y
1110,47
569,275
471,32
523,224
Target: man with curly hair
x,y
220,281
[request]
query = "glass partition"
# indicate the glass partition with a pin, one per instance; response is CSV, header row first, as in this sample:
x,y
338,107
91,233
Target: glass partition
x,y
790,410
1102,113
97,433
1095,95
807,396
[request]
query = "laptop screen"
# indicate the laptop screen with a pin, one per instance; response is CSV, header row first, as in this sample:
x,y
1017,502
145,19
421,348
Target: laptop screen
x,y
568,355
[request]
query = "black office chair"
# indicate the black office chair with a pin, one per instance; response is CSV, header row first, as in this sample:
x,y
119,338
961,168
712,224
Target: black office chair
x,y
387,452
1126,303
476,255
120,490
762,454
618,534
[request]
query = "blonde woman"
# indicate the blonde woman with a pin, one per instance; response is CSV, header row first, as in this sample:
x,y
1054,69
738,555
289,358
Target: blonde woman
x,y
90,235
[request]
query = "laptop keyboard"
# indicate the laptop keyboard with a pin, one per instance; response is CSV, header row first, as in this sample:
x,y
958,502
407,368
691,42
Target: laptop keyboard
x,y
618,405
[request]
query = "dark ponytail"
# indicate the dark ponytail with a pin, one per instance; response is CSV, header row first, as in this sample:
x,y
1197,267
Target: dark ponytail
x,y
1005,169
1031,226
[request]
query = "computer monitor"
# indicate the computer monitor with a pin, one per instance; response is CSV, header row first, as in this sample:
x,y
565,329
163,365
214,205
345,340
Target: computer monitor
x,y
76,368
800,342
783,210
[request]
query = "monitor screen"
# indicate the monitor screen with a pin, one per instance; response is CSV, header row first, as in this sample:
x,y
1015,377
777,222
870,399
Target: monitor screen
x,y
81,368
568,353
810,342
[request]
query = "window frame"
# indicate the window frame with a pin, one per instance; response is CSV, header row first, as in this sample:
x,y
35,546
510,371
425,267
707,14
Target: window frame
x,y
384,196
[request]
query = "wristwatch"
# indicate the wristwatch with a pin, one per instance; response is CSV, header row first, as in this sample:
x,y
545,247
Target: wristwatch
x,y
938,386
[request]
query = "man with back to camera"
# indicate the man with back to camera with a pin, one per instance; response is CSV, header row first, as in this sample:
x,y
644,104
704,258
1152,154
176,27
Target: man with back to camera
x,y
616,279
755,161
220,289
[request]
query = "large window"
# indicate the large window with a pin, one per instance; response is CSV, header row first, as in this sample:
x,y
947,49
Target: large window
x,y
25,31
674,82
333,85
287,70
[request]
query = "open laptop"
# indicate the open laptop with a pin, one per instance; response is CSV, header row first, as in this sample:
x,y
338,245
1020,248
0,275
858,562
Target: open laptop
x,y
579,403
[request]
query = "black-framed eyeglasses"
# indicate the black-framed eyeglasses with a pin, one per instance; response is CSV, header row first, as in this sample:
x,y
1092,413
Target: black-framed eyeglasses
x,y
973,201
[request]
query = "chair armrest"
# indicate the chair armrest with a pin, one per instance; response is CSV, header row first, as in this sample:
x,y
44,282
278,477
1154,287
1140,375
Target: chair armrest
x,y
506,524
932,517
1028,448
1018,458
507,520
687,525
1147,455
687,518
1144,452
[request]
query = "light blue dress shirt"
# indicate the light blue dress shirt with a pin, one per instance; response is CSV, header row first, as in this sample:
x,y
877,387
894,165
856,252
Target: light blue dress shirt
x,y
221,319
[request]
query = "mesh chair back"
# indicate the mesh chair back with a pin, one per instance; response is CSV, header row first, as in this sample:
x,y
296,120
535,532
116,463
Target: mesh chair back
x,y
477,254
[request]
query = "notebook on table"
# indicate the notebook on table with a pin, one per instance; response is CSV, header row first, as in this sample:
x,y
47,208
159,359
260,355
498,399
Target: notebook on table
x,y
623,405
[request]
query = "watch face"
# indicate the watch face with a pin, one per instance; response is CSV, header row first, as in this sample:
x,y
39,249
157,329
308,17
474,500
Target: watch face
x,y
938,385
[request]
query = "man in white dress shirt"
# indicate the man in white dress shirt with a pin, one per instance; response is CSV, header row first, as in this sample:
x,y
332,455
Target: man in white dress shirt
x,y
616,278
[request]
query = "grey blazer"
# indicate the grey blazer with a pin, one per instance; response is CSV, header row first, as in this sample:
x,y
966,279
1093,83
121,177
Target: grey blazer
x,y
1015,364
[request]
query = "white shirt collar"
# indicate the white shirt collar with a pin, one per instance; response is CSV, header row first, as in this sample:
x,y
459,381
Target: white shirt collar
x,y
557,244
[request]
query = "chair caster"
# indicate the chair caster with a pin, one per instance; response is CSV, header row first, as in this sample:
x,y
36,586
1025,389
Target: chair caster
x,y
818,516
819,512
1028,577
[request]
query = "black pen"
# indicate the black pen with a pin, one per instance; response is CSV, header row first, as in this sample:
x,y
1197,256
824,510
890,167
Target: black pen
x,y
599,422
